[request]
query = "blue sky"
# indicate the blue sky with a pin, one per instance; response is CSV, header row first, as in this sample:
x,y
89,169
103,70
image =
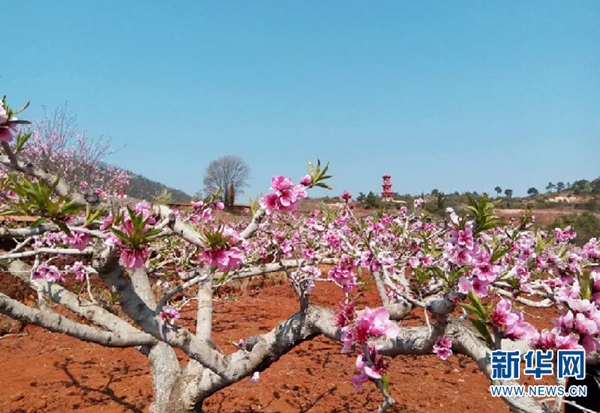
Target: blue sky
x,y
454,95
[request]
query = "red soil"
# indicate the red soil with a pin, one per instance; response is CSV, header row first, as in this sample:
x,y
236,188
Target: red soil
x,y
48,372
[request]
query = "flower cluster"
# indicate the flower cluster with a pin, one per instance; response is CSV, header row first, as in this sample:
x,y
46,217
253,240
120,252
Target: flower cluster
x,y
343,274
47,272
227,255
510,323
370,366
286,195
578,325
129,234
443,347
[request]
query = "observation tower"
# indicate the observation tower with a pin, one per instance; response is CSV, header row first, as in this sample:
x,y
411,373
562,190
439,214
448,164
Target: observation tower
x,y
386,192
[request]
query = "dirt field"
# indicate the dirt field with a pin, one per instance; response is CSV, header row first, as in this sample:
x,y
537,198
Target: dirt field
x,y
47,372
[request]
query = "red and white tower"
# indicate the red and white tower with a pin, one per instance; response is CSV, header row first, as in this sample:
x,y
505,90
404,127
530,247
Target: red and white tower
x,y
386,193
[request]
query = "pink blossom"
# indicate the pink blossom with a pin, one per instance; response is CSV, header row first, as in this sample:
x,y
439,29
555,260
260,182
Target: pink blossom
x,y
47,272
486,271
348,338
281,183
564,235
478,286
580,306
219,206
462,238
145,210
589,343
7,128
231,235
565,322
443,347
464,257
112,240
78,240
464,285
169,314
552,340
224,260
414,262
346,196
520,329
501,315
107,222
206,214
375,323
343,274
78,269
417,203
376,370
270,202
306,180
133,258
584,325
286,195
345,314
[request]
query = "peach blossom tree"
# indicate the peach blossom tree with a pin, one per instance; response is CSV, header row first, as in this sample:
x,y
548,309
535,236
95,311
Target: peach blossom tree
x,y
466,274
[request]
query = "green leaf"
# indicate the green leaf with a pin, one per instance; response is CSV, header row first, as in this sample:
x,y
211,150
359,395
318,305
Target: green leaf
x,y
483,330
151,232
21,141
38,222
385,381
469,308
477,304
586,283
19,122
25,106
120,234
499,253
63,227
90,218
222,277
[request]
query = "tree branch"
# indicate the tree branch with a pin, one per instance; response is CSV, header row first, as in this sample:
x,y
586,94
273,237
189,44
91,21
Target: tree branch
x,y
60,324
38,251
69,300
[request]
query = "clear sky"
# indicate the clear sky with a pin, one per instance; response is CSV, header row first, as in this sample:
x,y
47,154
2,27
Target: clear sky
x,y
454,95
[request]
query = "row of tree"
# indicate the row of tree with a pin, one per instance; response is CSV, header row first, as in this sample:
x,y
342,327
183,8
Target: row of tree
x,y
580,187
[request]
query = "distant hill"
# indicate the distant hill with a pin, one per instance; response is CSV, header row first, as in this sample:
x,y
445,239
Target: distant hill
x,y
141,187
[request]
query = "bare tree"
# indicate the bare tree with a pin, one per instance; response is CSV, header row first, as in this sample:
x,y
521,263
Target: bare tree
x,y
229,173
